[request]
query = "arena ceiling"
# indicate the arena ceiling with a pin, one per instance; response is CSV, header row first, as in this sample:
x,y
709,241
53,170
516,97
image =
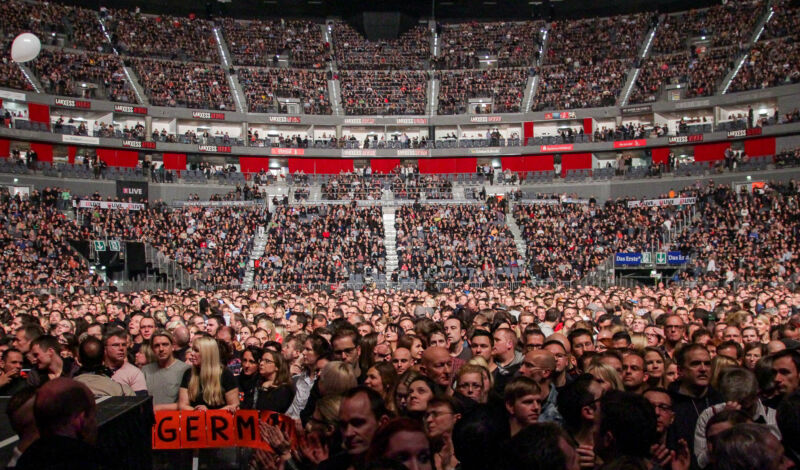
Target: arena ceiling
x,y
443,9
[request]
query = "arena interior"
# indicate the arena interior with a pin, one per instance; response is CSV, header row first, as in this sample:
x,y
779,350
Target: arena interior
x,y
271,234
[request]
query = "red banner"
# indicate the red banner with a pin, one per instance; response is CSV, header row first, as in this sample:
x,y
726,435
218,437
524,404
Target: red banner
x,y
39,113
175,161
217,428
384,165
625,144
5,148
577,161
556,148
253,164
44,152
527,163
761,147
448,165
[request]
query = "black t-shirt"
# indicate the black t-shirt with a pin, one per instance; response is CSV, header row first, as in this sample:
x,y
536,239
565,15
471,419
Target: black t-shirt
x,y
277,399
228,383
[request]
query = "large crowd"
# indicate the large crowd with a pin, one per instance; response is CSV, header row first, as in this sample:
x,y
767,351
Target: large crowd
x,y
321,245
64,73
585,66
577,85
700,72
210,243
260,42
52,22
384,92
189,85
164,37
511,44
505,87
263,87
410,51
35,249
455,243
702,373
11,76
591,40
773,60
730,24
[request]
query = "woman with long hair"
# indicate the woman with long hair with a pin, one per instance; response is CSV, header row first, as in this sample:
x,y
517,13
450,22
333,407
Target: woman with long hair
x,y
382,377
207,385
655,366
275,391
248,378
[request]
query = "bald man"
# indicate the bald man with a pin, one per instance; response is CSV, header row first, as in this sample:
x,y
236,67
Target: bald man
x,y
540,365
65,414
437,365
401,360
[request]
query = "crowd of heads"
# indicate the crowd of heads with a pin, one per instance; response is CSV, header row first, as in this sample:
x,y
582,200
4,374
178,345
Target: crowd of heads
x,y
770,63
210,243
591,40
410,51
567,241
259,42
65,73
263,87
322,245
384,92
189,85
580,85
700,71
11,76
725,25
512,44
455,243
531,377
352,186
77,27
163,37
35,247
409,184
505,87
745,237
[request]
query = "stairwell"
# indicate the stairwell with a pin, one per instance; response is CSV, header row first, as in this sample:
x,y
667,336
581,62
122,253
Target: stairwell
x,y
759,29
259,244
230,73
535,78
390,240
433,96
522,248
141,96
633,73
31,78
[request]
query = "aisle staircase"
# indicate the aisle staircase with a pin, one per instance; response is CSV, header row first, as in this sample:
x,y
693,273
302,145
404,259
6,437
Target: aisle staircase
x,y
522,248
259,244
389,240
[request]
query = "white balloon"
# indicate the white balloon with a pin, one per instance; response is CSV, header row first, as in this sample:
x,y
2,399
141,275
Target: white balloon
x,y
25,48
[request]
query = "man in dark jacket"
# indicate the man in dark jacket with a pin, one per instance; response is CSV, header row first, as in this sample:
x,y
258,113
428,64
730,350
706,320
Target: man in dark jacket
x,y
692,393
65,414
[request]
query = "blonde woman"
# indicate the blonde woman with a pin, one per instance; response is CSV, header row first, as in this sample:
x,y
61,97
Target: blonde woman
x,y
605,375
207,385
336,378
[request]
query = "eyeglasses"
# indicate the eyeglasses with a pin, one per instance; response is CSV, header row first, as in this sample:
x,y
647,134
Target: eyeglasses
x,y
436,414
267,361
345,351
662,407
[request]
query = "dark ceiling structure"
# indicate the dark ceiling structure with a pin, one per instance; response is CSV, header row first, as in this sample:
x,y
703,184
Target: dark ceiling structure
x,y
440,9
